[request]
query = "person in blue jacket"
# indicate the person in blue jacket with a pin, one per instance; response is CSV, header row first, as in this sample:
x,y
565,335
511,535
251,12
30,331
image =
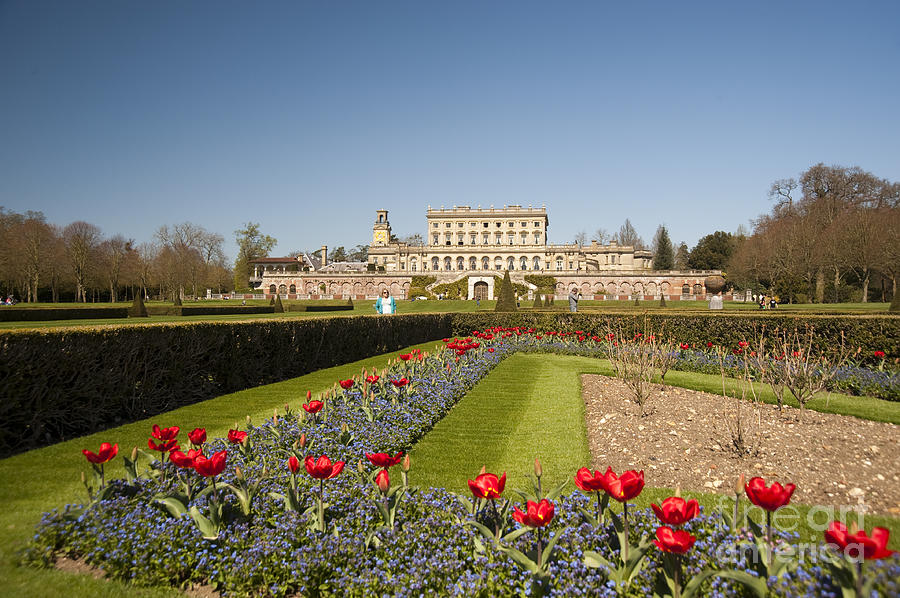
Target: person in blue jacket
x,y
386,304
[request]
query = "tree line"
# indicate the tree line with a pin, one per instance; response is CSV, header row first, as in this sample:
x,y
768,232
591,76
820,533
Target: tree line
x,y
46,262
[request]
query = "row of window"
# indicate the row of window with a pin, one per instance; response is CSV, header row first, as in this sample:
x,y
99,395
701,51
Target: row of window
x,y
484,224
485,239
510,264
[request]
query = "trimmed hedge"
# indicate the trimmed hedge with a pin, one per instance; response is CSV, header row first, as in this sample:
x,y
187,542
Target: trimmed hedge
x,y
62,383
208,310
870,333
35,314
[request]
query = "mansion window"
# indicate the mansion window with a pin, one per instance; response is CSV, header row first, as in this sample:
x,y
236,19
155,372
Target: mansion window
x,y
434,263
412,265
485,263
459,225
473,263
436,239
511,239
537,264
472,239
537,238
447,225
523,264
460,264
559,263
511,264
447,263
498,263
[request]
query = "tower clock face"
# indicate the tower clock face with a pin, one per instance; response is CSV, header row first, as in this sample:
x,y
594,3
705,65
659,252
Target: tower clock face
x,y
381,237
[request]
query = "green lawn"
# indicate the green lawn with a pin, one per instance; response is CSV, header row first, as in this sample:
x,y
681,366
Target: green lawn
x,y
430,306
530,406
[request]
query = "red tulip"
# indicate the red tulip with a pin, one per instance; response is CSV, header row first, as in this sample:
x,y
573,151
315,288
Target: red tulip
x,y
322,468
770,499
372,379
165,433
198,436
164,446
346,384
676,511
879,354
236,436
623,488
106,453
859,544
212,466
685,346
677,541
709,344
400,383
537,515
405,357
383,459
185,460
490,349
383,481
308,395
313,407
294,464
743,344
588,482
488,485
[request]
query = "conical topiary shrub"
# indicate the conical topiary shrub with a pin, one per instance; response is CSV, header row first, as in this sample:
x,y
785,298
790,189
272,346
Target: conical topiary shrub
x,y
279,306
537,301
662,300
546,300
138,309
272,300
507,299
350,301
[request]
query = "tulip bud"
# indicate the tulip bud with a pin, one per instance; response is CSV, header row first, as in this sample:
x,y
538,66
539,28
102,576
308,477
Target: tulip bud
x,y
275,416
360,467
678,491
134,453
287,408
83,478
303,440
383,481
245,441
538,470
344,427
308,395
248,420
739,486
404,465
239,474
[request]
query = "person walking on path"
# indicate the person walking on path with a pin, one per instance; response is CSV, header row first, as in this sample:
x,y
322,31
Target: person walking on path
x,y
573,300
386,304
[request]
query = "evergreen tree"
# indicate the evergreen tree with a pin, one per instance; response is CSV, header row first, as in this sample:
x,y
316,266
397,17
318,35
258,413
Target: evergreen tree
x,y
279,306
138,309
507,298
537,301
663,253
682,256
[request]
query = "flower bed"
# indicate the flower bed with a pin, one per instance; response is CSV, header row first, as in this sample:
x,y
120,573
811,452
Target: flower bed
x,y
264,513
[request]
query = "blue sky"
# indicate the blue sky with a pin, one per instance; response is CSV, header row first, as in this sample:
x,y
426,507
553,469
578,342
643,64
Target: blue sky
x,y
306,117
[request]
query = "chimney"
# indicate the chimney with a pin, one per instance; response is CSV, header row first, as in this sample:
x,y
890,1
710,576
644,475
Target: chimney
x,y
324,255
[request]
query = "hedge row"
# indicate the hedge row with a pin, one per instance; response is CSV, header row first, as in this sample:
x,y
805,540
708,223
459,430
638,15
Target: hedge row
x,y
869,333
35,314
57,384
314,307
207,310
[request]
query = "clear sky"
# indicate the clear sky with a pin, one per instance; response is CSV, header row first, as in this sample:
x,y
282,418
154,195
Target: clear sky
x,y
306,117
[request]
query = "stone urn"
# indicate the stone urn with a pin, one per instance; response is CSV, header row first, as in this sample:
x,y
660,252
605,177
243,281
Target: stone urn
x,y
714,284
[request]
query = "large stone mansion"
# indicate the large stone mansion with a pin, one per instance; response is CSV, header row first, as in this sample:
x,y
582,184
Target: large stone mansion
x,y
477,244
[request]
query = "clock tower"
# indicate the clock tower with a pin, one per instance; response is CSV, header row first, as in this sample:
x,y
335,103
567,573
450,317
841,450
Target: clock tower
x,y
381,231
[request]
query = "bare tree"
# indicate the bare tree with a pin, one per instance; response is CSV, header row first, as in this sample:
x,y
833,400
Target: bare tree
x,y
112,253
81,240
602,236
581,238
628,236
